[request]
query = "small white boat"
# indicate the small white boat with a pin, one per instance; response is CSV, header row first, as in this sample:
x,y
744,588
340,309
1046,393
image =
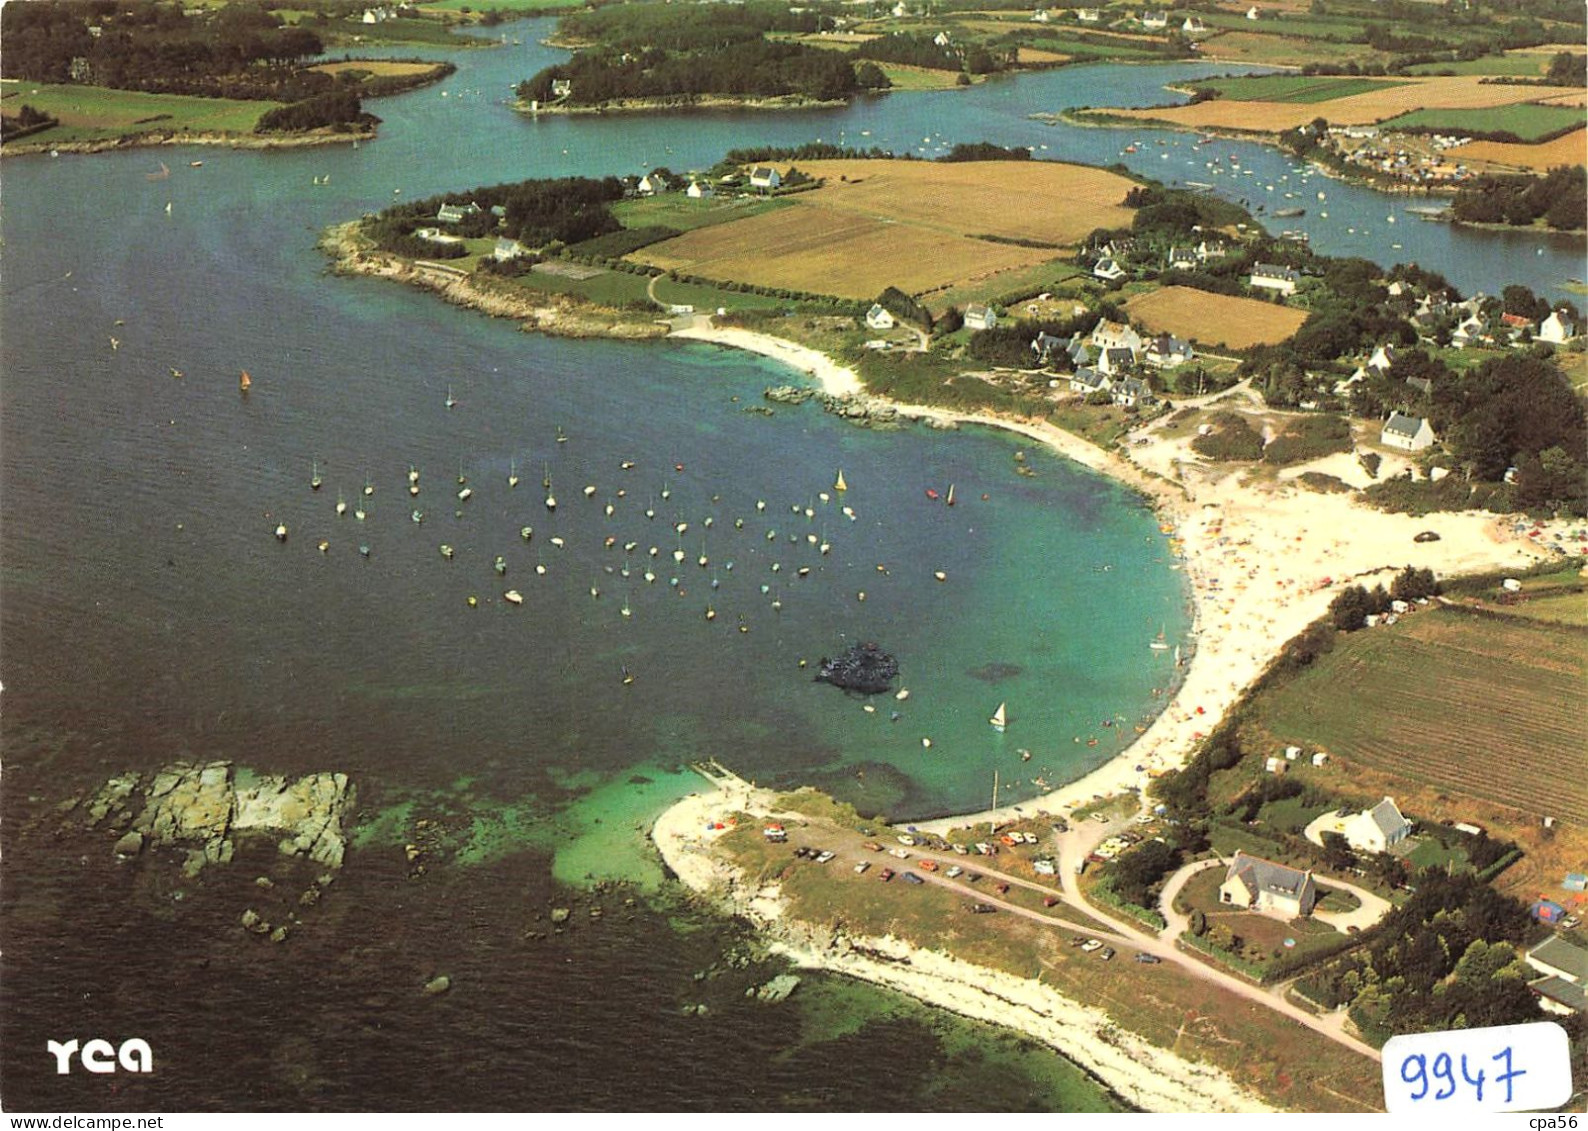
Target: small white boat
x,y
840,485
281,532
451,400
1000,718
512,474
513,597
341,504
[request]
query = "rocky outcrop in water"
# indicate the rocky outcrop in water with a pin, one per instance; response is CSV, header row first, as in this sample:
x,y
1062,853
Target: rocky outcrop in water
x,y
865,411
865,668
204,807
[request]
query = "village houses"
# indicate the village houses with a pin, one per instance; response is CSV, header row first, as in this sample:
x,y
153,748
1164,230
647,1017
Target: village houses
x,y
1557,328
980,316
765,177
1564,967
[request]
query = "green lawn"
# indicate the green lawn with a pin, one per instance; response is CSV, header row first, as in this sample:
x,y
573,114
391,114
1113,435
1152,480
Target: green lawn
x,y
94,113
1525,66
1429,853
1336,29
1086,48
1293,88
1526,121
677,210
1290,815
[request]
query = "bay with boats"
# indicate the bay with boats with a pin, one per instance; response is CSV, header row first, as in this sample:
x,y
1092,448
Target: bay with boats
x,y
259,514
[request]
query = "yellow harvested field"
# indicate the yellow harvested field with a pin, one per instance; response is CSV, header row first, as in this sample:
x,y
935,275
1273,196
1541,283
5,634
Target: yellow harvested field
x,y
909,224
829,252
1433,92
1036,200
1210,319
1571,149
375,67
1033,56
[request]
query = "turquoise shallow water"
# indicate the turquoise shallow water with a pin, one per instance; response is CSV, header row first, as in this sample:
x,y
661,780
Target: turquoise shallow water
x,y
149,615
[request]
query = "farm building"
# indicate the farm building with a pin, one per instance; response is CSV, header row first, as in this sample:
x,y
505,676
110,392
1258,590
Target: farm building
x,y
700,190
1409,433
1262,885
765,177
980,316
1265,276
879,317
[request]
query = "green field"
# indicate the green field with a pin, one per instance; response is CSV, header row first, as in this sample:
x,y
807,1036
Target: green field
x,y
1526,121
94,113
1293,88
676,210
1485,707
1343,30
1525,66
1085,48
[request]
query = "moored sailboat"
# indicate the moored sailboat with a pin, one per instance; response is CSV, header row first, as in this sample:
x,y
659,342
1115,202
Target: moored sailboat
x,y
1000,718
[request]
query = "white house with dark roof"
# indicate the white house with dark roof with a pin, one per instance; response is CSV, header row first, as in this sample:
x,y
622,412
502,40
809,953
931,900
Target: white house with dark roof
x,y
1116,360
700,190
1377,829
1088,15
980,316
765,177
1266,276
1129,391
653,183
1048,347
1261,885
1167,351
1108,270
1408,433
506,249
1194,26
1563,987
1182,258
879,317
1087,381
1112,335
1557,328
456,213
1153,20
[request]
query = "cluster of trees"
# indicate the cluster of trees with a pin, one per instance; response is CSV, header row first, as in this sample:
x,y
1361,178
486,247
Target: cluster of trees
x,y
986,151
1514,411
1450,957
337,109
537,213
913,50
27,120
1009,343
810,151
905,307
1560,198
741,68
1353,604
235,51
677,28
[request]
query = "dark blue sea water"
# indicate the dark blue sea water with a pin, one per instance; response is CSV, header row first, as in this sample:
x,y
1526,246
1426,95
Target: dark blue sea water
x,y
149,615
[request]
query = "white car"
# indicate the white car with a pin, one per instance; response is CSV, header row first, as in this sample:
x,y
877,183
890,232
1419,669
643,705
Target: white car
x,y
1090,945
899,852
953,871
861,867
907,840
824,857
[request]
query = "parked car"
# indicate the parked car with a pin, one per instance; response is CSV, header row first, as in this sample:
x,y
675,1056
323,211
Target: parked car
x,y
871,846
953,871
1090,945
1147,959
982,909
861,867
824,857
899,852
1106,953
927,865
885,875
912,878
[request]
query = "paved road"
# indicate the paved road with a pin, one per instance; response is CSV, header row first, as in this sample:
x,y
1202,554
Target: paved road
x,y
1073,845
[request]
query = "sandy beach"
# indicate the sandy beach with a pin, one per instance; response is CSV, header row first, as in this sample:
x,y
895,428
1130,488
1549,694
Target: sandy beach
x,y
1264,556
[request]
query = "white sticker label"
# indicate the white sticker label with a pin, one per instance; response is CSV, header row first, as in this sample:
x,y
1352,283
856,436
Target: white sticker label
x,y
1504,1068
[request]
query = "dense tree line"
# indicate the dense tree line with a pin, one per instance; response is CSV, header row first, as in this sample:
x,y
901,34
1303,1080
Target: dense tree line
x,y
537,213
237,51
675,28
986,151
1009,343
753,68
910,50
334,109
810,151
1560,197
1448,958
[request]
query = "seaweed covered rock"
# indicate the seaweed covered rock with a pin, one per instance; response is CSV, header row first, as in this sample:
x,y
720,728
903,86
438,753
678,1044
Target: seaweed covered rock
x,y
865,668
